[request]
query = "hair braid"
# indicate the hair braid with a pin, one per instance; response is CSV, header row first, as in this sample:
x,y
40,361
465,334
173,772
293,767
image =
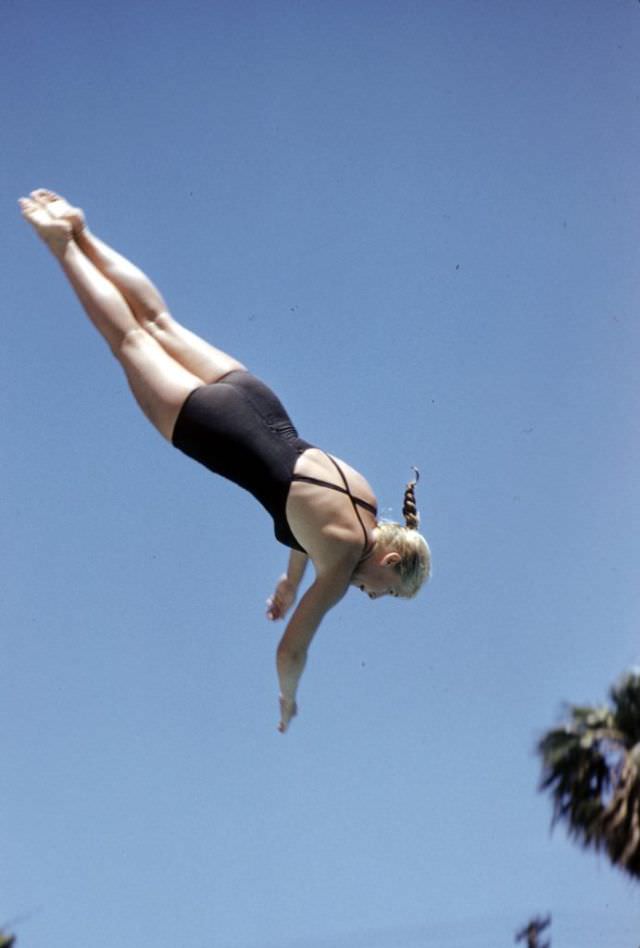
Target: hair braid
x,y
409,509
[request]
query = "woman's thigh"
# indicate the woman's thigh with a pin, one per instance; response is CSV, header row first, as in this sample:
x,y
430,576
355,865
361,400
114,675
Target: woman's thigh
x,y
195,354
159,384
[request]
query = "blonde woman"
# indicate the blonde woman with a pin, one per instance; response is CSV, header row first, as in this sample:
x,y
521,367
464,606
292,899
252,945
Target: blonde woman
x,y
208,405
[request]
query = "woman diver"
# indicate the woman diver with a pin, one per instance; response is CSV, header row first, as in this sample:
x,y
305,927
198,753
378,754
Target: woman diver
x,y
212,408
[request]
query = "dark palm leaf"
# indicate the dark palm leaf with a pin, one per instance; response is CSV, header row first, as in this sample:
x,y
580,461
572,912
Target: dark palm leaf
x,y
591,766
532,930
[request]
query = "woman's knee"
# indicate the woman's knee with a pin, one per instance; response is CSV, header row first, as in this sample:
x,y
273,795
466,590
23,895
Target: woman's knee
x,y
160,323
131,342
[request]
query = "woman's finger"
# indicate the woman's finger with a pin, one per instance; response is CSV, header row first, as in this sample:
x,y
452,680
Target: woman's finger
x,y
274,613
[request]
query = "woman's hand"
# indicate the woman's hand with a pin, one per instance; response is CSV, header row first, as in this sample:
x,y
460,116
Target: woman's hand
x,y
288,710
282,600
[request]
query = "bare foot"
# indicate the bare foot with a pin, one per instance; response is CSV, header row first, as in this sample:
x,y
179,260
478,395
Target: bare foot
x,y
60,209
55,233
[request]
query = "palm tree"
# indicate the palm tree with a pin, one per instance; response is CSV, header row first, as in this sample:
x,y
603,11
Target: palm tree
x,y
591,766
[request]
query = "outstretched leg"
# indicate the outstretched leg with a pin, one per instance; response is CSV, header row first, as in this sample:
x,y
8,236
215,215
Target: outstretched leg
x,y
145,301
159,383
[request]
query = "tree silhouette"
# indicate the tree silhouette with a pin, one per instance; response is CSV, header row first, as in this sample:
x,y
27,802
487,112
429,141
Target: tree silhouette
x,y
532,930
591,766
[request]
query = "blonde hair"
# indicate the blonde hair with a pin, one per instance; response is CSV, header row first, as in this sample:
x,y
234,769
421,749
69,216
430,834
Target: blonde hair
x,y
414,567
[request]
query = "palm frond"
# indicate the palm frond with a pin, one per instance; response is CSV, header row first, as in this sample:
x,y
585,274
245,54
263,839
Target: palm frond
x,y
591,767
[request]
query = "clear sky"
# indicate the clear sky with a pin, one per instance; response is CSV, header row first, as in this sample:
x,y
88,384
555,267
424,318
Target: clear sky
x,y
418,221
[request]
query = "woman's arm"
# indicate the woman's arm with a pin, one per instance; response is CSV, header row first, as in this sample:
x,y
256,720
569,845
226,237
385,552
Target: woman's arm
x,y
297,565
287,586
327,590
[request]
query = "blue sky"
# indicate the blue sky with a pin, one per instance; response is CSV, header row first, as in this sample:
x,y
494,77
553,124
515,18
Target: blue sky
x,y
419,223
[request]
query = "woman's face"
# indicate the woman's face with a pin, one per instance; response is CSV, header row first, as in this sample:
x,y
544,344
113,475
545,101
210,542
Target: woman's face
x,y
378,576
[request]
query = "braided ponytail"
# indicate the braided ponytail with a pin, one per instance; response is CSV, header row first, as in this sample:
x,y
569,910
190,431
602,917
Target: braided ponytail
x,y
414,566
409,509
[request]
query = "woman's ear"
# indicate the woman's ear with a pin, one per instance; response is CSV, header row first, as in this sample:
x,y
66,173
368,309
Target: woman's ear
x,y
391,559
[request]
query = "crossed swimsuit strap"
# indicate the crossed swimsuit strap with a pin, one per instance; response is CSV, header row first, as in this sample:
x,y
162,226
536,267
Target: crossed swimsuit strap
x,y
355,501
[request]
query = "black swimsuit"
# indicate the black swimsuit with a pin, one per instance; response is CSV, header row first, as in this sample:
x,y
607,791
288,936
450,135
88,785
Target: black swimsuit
x,y
238,428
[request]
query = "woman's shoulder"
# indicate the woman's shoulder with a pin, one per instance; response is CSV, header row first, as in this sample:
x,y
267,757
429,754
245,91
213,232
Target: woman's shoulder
x,y
327,532
337,550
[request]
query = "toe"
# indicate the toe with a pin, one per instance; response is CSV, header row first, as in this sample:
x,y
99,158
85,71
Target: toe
x,y
45,198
